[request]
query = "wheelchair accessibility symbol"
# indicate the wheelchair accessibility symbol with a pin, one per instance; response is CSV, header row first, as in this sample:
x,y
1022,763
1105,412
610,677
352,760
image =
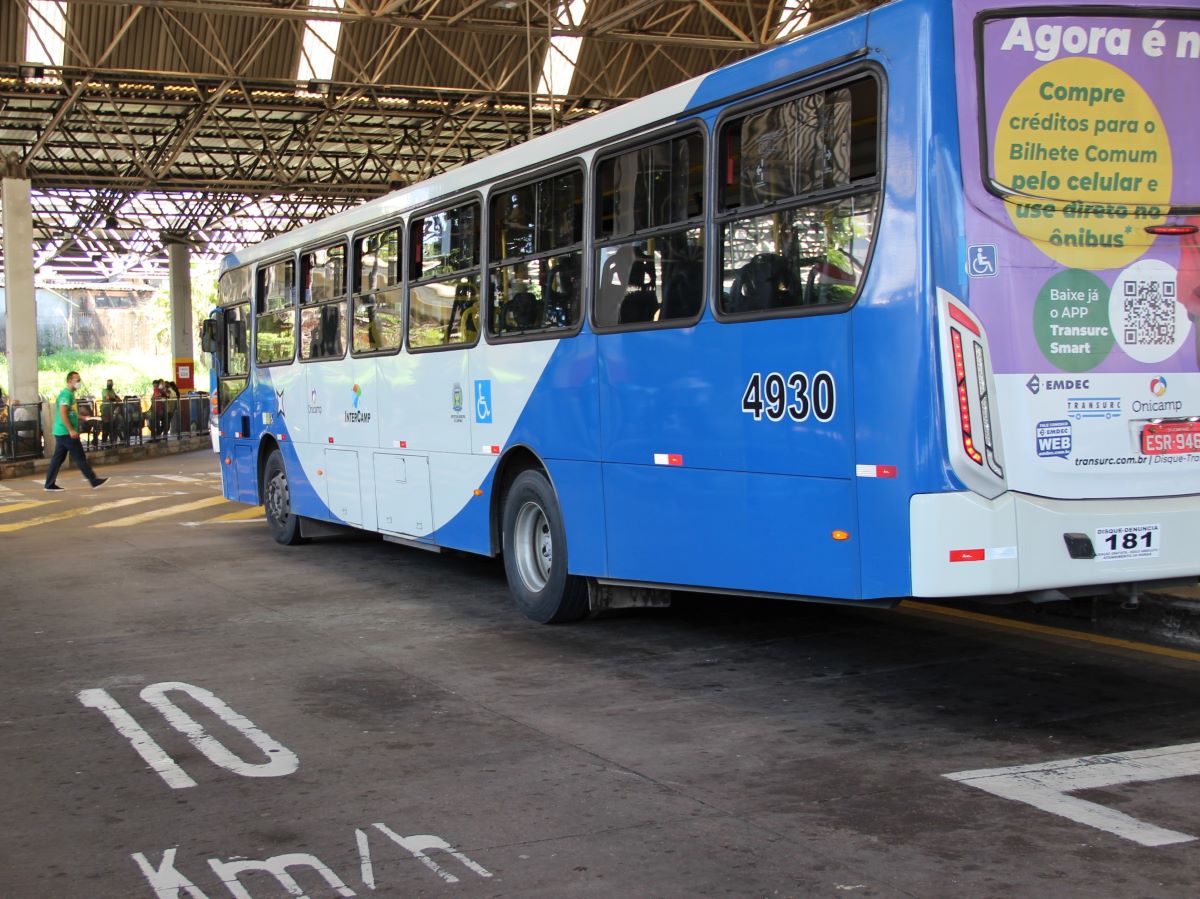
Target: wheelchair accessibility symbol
x,y
981,261
483,402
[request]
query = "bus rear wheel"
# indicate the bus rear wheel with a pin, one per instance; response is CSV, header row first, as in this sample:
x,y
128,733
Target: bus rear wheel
x,y
535,553
277,500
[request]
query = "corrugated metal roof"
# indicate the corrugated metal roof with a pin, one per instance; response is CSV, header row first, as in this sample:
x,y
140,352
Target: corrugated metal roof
x,y
179,114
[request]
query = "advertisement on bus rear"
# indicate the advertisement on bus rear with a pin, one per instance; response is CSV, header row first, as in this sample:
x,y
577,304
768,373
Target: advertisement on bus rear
x,y
1078,135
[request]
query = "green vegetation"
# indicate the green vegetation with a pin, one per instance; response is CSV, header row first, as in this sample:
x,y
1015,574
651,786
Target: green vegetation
x,y
131,372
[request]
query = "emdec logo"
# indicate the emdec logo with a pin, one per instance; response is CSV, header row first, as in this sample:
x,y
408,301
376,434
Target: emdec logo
x,y
1158,386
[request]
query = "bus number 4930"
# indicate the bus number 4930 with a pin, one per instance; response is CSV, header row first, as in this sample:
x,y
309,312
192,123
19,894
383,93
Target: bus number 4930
x,y
795,396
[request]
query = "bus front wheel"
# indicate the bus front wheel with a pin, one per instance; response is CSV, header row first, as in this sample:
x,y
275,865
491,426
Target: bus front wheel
x,y
535,553
277,500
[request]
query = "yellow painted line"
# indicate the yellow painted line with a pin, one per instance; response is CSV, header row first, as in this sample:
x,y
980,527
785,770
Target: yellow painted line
x,y
21,507
1042,630
161,513
74,513
242,514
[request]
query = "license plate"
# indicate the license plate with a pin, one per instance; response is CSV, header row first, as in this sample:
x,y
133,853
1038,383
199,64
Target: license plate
x,y
1165,437
1134,541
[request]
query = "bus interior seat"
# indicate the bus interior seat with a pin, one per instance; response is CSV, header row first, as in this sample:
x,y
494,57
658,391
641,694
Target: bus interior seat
x,y
561,292
522,311
640,303
765,282
683,289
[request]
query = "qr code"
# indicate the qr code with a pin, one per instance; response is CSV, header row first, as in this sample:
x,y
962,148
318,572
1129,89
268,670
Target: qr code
x,y
1150,312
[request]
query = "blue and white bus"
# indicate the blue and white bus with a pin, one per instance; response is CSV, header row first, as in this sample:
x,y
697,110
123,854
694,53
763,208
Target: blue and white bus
x,y
903,307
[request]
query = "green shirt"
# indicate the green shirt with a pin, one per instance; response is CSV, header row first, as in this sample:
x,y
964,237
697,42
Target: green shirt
x,y
66,398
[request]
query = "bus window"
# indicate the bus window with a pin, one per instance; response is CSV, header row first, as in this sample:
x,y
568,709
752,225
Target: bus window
x,y
275,322
536,251
378,298
235,285
649,224
443,291
798,200
323,323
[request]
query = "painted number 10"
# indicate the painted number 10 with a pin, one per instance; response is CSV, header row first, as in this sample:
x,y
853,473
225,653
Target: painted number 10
x,y
280,760
795,396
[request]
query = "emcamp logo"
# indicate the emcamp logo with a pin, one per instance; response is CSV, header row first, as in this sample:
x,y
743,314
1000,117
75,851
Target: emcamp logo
x,y
1158,386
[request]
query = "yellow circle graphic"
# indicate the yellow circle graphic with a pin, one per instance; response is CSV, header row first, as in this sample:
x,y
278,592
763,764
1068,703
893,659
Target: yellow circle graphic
x,y
1086,145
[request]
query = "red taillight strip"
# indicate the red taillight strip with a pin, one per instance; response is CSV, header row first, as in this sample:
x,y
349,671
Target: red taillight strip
x,y
964,404
963,319
1172,230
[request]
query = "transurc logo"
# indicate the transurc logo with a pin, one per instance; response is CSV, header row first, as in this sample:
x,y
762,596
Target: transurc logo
x,y
1079,407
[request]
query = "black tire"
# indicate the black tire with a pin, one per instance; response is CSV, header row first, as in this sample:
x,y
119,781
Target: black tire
x,y
277,500
535,553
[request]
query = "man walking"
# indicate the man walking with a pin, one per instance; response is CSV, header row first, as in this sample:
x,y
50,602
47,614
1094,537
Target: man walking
x,y
66,437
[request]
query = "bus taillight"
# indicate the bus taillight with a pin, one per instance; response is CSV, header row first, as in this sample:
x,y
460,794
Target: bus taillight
x,y
964,402
972,417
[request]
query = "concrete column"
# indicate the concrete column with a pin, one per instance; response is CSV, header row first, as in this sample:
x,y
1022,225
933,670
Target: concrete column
x,y
21,305
179,257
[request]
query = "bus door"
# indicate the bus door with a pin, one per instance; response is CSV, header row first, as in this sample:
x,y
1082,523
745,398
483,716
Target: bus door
x,y
231,363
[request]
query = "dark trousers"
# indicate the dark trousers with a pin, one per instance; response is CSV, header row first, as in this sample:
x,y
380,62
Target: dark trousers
x,y
62,446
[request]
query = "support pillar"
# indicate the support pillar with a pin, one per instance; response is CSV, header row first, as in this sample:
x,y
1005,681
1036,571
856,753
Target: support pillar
x,y
20,302
179,259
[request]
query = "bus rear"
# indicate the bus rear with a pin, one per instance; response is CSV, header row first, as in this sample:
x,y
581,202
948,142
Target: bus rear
x,y
1069,346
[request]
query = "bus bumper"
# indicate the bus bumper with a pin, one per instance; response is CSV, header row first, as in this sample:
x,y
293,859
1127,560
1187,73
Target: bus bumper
x,y
966,545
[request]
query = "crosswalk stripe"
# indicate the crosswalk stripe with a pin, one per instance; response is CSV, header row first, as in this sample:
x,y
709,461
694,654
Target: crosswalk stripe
x,y
21,507
242,514
161,513
73,513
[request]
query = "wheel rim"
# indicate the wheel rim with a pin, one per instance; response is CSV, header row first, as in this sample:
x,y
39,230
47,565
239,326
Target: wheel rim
x,y
278,500
534,546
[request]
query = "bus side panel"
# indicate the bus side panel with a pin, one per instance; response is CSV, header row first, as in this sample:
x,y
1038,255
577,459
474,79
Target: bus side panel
x,y
761,532
701,490
580,490
900,444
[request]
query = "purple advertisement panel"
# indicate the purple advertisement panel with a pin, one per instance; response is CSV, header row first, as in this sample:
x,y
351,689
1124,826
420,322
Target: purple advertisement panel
x,y
1078,133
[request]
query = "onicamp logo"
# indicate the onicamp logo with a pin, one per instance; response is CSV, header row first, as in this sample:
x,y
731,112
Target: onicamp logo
x,y
1158,386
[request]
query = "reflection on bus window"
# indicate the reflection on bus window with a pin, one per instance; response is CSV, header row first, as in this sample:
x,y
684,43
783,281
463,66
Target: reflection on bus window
x,y
807,256
378,321
799,195
275,324
537,235
443,293
378,304
650,201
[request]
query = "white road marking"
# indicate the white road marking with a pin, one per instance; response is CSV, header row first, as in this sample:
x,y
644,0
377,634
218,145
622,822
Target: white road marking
x,y
141,741
1046,786
365,866
74,513
160,513
280,762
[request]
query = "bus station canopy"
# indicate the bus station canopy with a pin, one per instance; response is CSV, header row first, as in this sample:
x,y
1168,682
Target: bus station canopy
x,y
220,123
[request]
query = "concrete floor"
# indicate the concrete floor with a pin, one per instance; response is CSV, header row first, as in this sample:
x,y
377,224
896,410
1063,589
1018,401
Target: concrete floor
x,y
194,711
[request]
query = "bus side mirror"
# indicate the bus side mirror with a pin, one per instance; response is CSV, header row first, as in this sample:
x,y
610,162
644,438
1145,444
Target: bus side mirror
x,y
208,336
